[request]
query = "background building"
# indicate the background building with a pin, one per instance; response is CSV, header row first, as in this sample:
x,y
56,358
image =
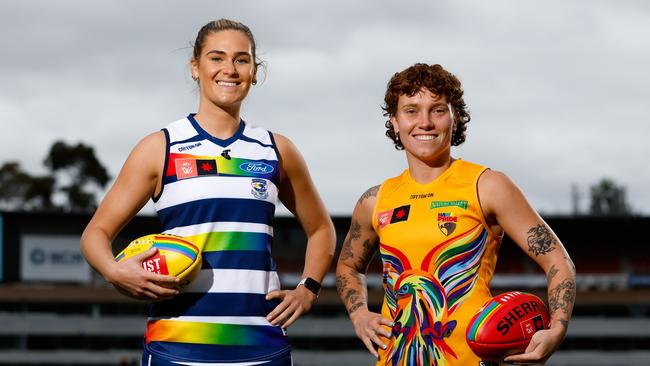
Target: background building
x,y
55,310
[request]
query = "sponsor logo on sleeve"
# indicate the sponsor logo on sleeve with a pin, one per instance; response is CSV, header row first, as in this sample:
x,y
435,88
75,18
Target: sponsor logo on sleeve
x,y
440,204
393,216
256,167
447,222
259,188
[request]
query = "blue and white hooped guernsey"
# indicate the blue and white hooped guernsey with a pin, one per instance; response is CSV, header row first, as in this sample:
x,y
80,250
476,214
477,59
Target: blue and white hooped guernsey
x,y
221,195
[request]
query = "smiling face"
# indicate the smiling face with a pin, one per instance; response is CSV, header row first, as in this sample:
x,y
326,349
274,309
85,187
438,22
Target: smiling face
x,y
424,124
225,68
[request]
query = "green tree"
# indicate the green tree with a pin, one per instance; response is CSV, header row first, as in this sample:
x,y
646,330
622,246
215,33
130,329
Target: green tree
x,y
75,173
608,199
21,191
78,170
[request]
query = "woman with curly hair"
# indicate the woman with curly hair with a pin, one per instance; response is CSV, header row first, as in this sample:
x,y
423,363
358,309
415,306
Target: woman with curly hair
x,y
438,227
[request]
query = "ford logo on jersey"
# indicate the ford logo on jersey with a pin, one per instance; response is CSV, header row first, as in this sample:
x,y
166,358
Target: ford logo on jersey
x,y
256,167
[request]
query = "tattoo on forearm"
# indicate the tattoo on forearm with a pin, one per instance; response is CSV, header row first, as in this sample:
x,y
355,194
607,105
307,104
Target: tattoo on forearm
x,y
540,240
367,254
564,322
551,273
562,296
355,230
346,249
350,297
572,266
371,192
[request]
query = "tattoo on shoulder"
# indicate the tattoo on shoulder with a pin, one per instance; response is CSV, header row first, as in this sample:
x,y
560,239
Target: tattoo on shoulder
x,y
540,240
562,296
371,192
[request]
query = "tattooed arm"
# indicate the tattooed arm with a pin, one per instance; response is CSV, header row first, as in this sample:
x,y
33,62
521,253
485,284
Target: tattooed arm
x,y
507,211
358,249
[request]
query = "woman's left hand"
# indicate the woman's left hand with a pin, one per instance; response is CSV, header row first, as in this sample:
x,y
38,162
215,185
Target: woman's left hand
x,y
541,347
294,303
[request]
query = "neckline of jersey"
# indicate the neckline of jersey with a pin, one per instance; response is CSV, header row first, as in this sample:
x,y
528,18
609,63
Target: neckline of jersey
x,y
216,140
427,186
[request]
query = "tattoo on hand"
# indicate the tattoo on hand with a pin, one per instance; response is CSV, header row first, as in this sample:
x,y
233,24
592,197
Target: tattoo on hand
x,y
562,297
540,240
371,192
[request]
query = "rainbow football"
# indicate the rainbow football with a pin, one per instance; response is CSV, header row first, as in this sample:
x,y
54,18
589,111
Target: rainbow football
x,y
175,257
505,325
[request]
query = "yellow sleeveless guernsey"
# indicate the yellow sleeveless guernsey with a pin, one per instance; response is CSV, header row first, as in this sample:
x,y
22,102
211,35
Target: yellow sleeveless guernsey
x,y
438,258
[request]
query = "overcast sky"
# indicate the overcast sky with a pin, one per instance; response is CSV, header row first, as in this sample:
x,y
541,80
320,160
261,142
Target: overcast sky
x,y
557,90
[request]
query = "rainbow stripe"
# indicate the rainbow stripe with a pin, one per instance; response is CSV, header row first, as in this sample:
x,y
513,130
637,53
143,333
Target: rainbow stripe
x,y
481,319
232,240
232,166
214,333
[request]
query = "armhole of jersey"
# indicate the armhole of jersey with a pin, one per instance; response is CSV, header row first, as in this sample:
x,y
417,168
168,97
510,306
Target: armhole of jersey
x,y
374,209
478,201
164,170
277,153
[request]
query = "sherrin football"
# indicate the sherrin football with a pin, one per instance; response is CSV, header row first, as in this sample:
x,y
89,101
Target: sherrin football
x,y
175,256
505,325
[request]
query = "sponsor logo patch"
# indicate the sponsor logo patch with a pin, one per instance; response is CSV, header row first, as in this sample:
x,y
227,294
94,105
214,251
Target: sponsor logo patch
x,y
395,215
259,188
421,195
440,204
447,222
256,167
156,264
189,147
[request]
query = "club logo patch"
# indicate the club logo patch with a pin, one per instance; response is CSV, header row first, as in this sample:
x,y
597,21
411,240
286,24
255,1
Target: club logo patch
x,y
259,188
395,215
447,222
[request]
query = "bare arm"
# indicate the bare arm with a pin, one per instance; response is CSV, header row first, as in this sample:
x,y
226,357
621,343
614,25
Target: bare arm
x,y
137,181
359,246
508,210
298,193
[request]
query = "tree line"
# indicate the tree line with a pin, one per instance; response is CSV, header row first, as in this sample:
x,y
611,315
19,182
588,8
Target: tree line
x,y
75,177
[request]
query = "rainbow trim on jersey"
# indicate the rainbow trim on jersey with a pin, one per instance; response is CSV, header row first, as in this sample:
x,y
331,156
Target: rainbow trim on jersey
x,y
213,333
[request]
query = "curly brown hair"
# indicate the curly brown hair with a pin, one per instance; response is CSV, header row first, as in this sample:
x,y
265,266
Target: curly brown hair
x,y
438,81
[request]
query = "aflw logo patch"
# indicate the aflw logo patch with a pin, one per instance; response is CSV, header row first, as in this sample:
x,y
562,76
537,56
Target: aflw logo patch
x,y
398,214
188,168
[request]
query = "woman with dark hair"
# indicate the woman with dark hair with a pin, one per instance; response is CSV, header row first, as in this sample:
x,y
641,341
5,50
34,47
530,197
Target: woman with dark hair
x,y
438,227
215,180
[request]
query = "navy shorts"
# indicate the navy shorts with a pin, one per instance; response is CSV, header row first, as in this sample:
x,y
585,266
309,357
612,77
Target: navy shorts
x,y
149,359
